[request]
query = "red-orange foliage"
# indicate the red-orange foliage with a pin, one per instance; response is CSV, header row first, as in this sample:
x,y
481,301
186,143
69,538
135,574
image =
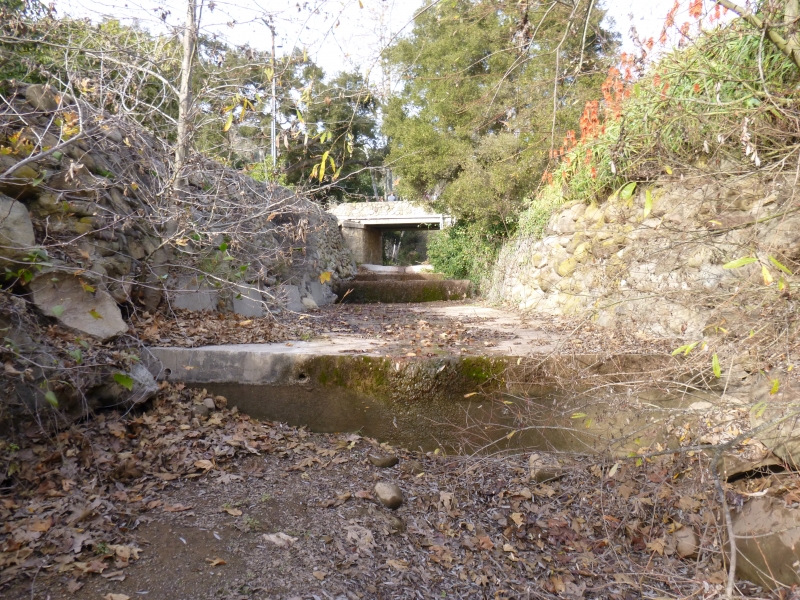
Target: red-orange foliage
x,y
671,15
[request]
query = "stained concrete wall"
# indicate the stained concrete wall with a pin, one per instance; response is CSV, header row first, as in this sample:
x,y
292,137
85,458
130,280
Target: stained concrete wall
x,y
364,242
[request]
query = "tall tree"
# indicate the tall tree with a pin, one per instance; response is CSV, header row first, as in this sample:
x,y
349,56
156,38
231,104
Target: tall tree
x,y
489,87
185,91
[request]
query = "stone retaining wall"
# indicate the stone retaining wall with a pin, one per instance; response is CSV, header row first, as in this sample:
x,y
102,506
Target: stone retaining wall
x,y
653,263
92,230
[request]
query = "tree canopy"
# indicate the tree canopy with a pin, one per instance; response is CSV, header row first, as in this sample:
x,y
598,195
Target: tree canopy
x,y
489,87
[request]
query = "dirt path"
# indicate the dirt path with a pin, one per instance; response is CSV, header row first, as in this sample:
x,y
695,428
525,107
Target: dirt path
x,y
170,506
466,328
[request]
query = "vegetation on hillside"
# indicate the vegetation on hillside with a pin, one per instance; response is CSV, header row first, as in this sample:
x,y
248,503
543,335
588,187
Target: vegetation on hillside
x,y
727,102
724,99
126,69
488,87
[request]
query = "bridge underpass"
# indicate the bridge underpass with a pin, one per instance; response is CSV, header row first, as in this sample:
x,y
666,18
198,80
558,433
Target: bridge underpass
x,y
363,224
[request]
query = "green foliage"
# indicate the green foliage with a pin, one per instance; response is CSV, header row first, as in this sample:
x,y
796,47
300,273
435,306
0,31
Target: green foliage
x,y
472,127
264,171
727,97
51,398
466,250
331,136
335,120
691,110
124,380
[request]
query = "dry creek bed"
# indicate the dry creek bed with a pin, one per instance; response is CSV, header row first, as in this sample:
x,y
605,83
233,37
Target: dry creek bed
x,y
170,505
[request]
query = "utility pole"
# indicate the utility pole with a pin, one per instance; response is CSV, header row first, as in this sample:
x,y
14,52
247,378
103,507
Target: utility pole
x,y
185,92
271,26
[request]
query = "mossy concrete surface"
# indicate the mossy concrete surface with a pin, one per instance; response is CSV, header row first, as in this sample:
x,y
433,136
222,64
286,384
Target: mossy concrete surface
x,y
439,401
394,277
403,291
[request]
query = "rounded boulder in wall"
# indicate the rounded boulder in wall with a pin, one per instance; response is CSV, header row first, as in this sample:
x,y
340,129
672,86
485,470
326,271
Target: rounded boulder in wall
x,y
77,306
16,230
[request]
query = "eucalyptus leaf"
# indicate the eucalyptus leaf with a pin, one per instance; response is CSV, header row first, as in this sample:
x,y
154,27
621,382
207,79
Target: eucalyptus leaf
x,y
50,396
740,262
648,203
628,190
124,380
778,265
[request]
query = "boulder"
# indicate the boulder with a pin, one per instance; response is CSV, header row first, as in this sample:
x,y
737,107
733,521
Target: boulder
x,y
309,303
16,232
390,494
113,394
779,415
383,461
767,542
193,294
686,542
41,97
291,298
247,302
567,267
544,467
64,296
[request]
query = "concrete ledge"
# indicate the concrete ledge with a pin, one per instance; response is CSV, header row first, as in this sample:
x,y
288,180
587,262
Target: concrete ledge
x,y
393,269
396,277
404,291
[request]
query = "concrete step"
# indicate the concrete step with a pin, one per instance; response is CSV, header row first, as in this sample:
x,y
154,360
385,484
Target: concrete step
x,y
403,291
399,277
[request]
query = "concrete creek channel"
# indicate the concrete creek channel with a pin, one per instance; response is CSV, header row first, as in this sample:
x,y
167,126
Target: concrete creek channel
x,y
510,396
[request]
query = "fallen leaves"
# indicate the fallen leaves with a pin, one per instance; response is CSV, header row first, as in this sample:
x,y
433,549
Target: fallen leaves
x,y
398,565
474,529
178,508
76,493
281,540
124,552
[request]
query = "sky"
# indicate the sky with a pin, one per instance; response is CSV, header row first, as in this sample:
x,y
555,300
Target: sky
x,y
338,34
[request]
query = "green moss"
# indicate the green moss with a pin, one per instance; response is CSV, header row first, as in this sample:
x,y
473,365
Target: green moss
x,y
372,292
480,369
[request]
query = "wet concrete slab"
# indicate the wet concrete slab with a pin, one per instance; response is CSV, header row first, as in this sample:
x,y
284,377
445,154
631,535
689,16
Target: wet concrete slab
x,y
508,335
494,371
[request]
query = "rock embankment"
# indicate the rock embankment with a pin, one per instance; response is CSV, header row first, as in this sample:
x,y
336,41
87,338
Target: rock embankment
x,y
93,228
655,261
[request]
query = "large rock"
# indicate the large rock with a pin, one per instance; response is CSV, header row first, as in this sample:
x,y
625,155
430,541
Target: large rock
x,y
63,295
390,494
41,97
114,394
16,233
247,302
193,294
767,542
776,416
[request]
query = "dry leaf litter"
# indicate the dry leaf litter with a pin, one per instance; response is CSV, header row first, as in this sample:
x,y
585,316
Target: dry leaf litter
x,y
166,504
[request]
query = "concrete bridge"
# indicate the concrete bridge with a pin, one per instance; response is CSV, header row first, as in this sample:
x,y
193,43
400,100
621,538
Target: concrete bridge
x,y
363,223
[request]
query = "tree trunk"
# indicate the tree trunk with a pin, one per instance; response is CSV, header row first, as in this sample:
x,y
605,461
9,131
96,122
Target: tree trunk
x,y
185,92
790,46
790,17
